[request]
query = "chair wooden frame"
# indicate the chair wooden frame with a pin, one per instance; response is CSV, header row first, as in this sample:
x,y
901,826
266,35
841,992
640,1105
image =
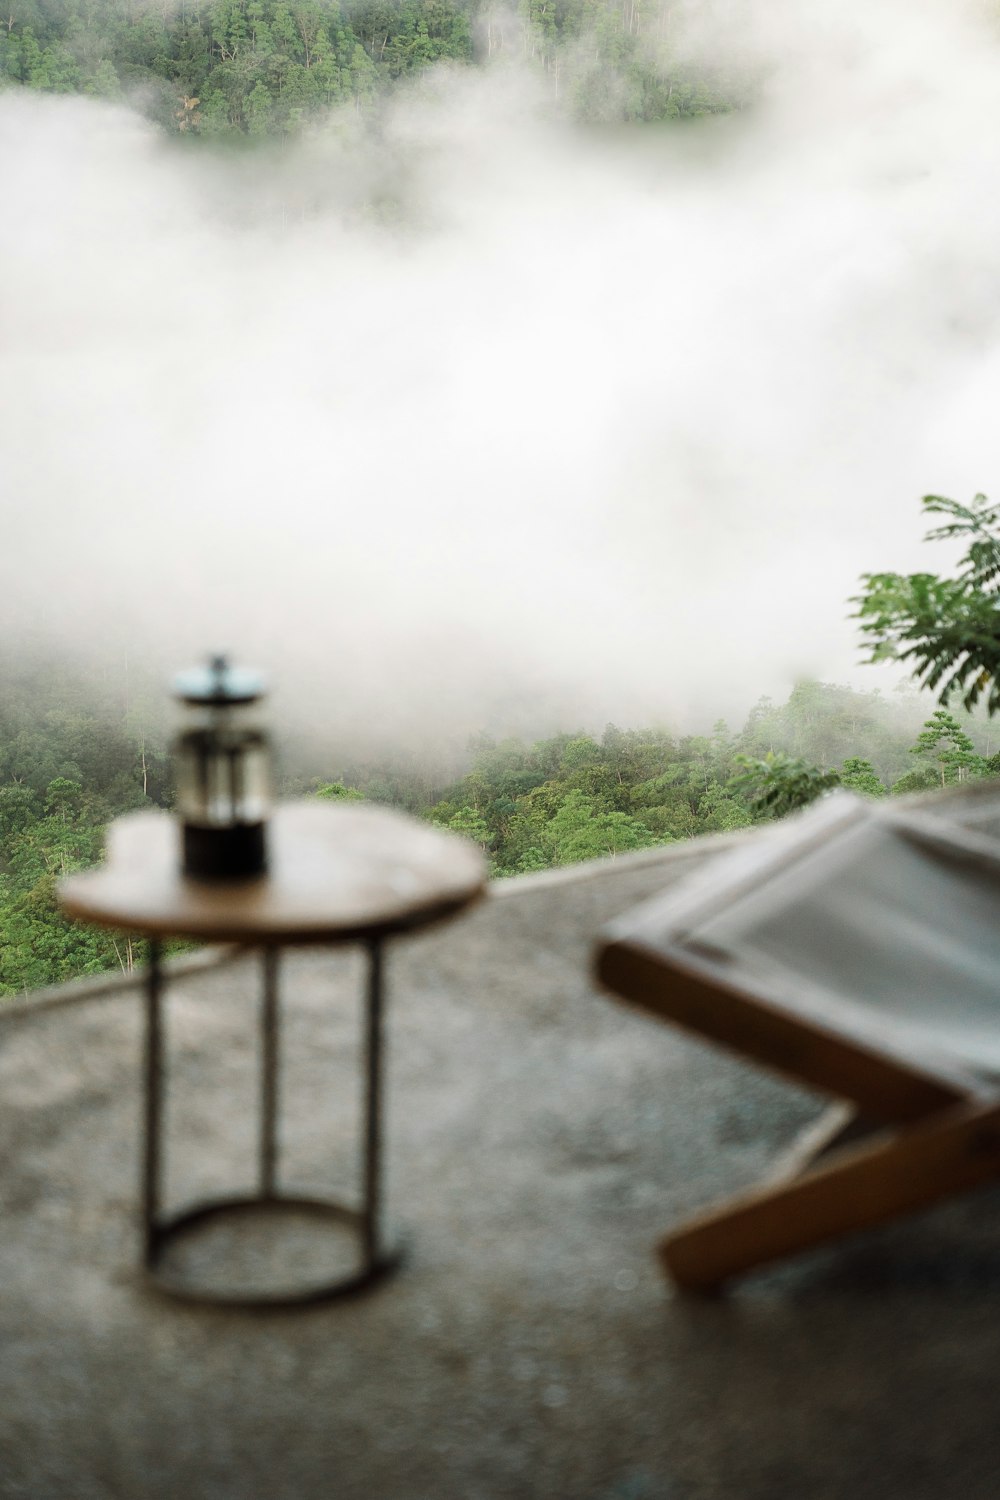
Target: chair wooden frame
x,y
912,1126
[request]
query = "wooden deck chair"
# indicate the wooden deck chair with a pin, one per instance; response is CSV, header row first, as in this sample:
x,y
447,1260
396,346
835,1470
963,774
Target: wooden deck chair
x,y
854,948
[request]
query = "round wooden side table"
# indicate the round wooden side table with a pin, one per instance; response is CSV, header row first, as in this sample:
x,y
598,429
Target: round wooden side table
x,y
337,873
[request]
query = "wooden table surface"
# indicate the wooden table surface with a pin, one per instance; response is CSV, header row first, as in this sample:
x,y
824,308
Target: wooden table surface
x,y
337,872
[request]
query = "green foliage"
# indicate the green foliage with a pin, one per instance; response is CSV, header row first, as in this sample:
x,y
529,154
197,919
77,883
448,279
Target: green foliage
x,y
947,628
467,822
580,796
582,829
858,775
336,791
719,811
920,779
826,723
778,783
70,759
38,945
266,67
944,743
74,755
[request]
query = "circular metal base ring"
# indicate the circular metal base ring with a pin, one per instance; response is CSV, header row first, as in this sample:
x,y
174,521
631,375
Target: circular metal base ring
x,y
169,1230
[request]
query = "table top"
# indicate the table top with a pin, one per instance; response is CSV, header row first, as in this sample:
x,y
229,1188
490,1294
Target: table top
x,y
337,872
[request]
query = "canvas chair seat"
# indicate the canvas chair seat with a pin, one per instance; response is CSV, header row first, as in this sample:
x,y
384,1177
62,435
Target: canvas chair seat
x,y
855,948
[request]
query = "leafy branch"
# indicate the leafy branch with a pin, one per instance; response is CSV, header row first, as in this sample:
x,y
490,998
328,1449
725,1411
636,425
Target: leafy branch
x,y
778,783
947,628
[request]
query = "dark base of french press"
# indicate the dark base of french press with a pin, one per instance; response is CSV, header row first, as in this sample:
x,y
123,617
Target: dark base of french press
x,y
233,853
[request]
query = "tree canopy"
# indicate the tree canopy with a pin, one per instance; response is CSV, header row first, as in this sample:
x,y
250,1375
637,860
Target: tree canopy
x,y
74,755
262,68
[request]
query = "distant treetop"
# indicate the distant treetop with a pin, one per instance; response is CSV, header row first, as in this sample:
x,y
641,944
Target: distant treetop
x,y
260,68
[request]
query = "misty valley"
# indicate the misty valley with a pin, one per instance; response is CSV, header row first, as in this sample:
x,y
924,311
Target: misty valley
x,y
74,755
438,354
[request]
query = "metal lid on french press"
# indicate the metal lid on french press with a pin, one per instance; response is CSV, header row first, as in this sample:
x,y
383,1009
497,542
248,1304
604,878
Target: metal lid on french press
x,y
218,684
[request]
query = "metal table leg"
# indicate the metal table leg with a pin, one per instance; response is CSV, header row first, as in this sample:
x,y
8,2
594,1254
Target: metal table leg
x,y
152,1105
159,1231
269,1073
373,1107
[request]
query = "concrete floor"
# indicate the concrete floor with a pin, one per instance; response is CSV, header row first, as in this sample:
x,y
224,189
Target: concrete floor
x,y
540,1139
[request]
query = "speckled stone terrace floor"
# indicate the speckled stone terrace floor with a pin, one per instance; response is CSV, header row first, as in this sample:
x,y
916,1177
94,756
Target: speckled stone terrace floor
x,y
540,1139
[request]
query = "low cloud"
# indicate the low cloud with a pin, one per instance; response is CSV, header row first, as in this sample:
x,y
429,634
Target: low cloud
x,y
475,417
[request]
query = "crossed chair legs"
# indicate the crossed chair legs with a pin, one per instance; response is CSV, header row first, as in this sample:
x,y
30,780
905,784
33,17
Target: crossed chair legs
x,y
840,1184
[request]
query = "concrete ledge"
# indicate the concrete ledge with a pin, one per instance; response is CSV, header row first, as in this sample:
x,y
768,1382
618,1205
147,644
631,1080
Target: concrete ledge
x,y
670,858
99,986
102,986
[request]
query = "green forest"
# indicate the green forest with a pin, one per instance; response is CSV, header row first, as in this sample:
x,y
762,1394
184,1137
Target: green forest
x,y
77,751
72,758
264,68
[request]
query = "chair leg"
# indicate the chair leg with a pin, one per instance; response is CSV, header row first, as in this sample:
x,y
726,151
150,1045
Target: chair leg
x,y
894,1173
837,1125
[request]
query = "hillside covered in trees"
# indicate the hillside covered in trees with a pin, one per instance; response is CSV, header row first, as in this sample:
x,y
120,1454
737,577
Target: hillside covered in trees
x,y
265,67
73,755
